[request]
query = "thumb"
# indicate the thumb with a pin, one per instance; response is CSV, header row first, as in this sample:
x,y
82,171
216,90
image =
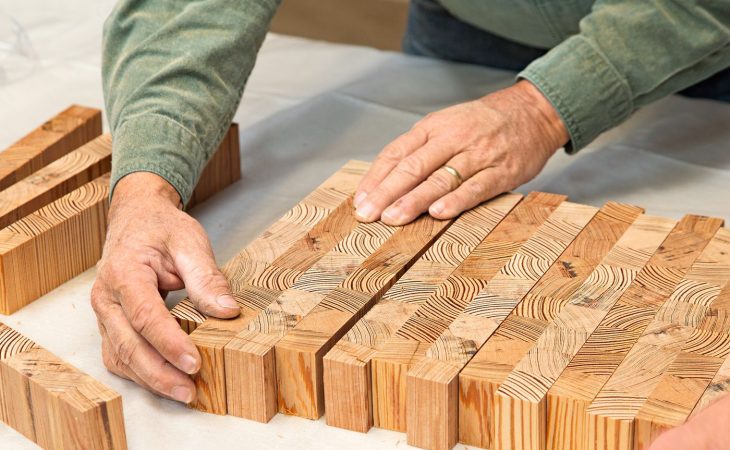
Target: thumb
x,y
207,288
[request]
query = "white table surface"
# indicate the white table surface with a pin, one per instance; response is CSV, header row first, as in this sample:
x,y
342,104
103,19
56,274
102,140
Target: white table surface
x,y
308,108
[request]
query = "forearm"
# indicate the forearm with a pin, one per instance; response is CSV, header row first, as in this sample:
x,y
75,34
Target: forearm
x,y
627,55
173,75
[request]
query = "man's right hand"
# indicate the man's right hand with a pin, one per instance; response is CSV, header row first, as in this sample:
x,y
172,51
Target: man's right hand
x,y
153,247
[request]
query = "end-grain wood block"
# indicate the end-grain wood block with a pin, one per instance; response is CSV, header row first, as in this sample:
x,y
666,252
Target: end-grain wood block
x,y
518,333
55,180
268,281
432,384
249,356
54,404
61,134
223,169
670,354
398,353
52,245
300,353
347,384
584,373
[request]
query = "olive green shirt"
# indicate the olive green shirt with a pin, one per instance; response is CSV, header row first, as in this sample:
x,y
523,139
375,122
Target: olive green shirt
x,y
174,70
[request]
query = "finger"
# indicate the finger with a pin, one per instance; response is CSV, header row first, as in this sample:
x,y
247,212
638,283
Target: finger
x,y
438,184
140,357
207,287
140,299
388,158
115,365
408,174
486,184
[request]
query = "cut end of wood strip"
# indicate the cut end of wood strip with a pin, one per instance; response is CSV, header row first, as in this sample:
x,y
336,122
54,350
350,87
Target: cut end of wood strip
x,y
349,408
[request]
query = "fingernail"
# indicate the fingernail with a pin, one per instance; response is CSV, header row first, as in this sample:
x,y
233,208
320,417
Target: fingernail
x,y
227,301
437,208
182,394
393,215
188,364
365,211
359,198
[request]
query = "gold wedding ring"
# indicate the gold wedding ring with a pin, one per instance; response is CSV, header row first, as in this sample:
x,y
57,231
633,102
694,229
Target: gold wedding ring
x,y
454,173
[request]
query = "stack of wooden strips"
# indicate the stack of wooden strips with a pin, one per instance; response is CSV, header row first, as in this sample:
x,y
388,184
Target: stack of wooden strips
x,y
54,190
54,404
526,323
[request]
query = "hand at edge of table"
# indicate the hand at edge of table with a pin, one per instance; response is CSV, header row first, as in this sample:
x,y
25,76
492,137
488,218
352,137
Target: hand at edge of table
x,y
708,430
152,247
496,143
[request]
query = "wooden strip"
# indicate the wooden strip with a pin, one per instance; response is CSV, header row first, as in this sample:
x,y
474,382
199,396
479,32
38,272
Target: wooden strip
x,y
299,355
52,245
55,180
661,359
268,281
580,375
66,131
273,242
347,393
432,385
223,169
54,404
397,354
249,356
519,332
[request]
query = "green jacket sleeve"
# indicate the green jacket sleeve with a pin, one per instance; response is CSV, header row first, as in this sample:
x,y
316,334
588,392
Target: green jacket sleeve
x,y
173,76
629,53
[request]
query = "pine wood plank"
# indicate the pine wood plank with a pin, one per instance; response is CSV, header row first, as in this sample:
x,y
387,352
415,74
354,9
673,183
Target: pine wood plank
x,y
312,231
432,383
347,384
580,375
299,355
398,353
52,245
64,132
54,404
662,359
55,180
249,356
482,376
223,168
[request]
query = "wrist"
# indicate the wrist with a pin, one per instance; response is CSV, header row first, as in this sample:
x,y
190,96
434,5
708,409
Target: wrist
x,y
148,186
543,113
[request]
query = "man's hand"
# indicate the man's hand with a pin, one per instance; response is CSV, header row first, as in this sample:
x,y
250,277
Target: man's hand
x,y
495,143
708,430
152,247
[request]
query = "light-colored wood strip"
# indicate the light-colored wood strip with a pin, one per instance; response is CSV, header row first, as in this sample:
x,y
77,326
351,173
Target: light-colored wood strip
x,y
588,370
347,385
432,384
299,355
481,378
268,281
223,169
55,180
54,404
661,354
397,354
64,132
249,356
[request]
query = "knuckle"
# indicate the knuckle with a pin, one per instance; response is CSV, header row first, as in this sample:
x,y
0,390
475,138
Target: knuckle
x,y
410,167
441,181
474,189
125,350
141,319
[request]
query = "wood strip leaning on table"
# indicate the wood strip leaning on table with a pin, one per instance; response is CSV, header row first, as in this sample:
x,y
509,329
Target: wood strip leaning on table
x,y
54,404
300,353
620,416
50,246
612,325
398,353
223,168
55,180
347,383
66,131
432,385
520,330
270,265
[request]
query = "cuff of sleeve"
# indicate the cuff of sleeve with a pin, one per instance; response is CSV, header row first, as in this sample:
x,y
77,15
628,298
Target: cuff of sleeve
x,y
589,94
157,144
